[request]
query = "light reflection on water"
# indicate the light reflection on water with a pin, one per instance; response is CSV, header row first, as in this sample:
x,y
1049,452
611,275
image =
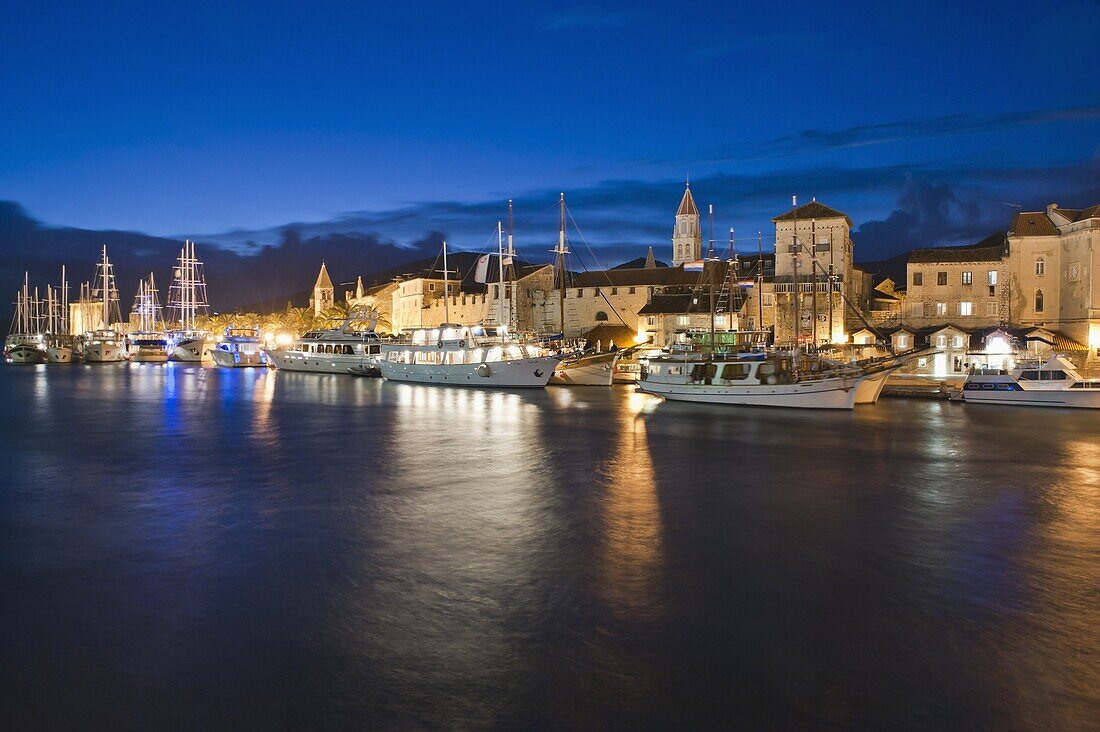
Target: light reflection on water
x,y
297,549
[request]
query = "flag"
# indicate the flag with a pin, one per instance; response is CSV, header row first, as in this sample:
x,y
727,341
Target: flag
x,y
481,272
507,260
696,266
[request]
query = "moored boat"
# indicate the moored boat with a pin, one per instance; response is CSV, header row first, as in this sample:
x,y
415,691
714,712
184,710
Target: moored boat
x,y
186,302
239,348
149,343
589,369
1051,383
336,350
105,344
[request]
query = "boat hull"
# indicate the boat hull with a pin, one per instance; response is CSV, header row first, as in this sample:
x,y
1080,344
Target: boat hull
x,y
239,360
28,355
103,353
59,354
870,388
591,371
189,350
149,357
824,394
1071,398
321,363
521,373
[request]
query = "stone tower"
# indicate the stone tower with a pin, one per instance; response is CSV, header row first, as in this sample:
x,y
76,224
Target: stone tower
x,y
687,241
323,292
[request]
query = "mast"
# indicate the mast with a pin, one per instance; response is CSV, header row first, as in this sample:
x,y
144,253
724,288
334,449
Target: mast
x,y
63,326
446,289
710,240
106,291
813,273
760,280
25,321
500,267
512,321
37,312
561,251
797,295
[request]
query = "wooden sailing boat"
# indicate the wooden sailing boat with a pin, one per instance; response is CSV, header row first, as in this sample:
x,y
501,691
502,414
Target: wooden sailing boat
x,y
105,344
149,343
186,303
59,345
25,344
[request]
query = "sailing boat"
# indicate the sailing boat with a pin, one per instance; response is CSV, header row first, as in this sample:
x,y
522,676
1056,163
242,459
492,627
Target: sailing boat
x,y
149,343
480,355
24,344
59,342
105,345
186,301
583,369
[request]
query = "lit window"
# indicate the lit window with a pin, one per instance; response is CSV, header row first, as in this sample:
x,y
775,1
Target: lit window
x,y
992,277
991,308
683,320
966,308
941,308
903,342
1040,269
968,278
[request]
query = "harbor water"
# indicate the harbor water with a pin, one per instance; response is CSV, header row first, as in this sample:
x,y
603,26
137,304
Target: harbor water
x,y
199,548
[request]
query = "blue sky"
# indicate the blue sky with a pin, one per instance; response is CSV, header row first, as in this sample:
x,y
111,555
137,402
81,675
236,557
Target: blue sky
x,y
920,120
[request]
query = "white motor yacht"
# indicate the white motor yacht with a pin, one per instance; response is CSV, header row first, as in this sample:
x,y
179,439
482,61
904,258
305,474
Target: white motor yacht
x,y
481,355
1051,383
338,350
239,348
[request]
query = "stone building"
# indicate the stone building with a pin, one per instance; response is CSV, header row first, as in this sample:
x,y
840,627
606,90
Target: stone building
x,y
969,285
687,237
323,292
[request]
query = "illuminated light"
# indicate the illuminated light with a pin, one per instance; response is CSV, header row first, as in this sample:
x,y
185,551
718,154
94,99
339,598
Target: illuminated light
x,y
284,339
1094,336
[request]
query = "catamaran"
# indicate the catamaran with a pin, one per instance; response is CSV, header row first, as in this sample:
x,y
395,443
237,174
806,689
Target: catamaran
x,y
187,301
341,349
484,355
1032,383
105,344
149,343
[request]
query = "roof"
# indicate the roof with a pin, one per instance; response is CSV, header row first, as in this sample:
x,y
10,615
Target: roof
x,y
323,279
646,277
687,204
993,248
812,210
678,304
1032,223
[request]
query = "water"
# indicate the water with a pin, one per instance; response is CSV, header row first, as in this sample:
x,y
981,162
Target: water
x,y
194,547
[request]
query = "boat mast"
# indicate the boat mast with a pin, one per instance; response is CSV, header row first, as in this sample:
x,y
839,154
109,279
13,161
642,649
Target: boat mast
x,y
446,289
500,267
63,326
37,312
796,254
561,251
813,272
512,321
106,291
760,280
25,321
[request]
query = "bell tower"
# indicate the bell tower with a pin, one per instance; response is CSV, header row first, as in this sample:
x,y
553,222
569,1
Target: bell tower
x,y
687,241
323,292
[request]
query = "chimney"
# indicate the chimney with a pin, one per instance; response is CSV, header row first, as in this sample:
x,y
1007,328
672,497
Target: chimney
x,y
1051,207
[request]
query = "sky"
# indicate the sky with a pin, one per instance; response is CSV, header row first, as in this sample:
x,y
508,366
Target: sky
x,y
928,123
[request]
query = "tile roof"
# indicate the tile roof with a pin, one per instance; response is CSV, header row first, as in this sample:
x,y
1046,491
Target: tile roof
x,y
812,210
1032,223
993,248
677,304
647,276
323,279
687,204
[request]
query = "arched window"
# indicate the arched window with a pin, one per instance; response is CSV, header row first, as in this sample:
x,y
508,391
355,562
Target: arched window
x,y
601,315
1040,267
1039,300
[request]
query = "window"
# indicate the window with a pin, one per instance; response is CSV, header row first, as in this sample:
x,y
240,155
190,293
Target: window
x,y
918,310
1038,301
431,287
968,278
966,308
683,320
941,341
496,291
614,290
991,309
823,243
793,248
1040,267
941,308
957,341
992,277
941,278
596,293
580,292
768,298
736,371
651,320
903,342
630,291
601,315
918,279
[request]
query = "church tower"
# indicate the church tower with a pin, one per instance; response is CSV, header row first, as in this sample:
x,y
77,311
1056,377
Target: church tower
x,y
687,241
323,292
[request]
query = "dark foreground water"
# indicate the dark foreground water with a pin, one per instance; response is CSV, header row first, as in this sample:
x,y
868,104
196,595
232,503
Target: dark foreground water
x,y
188,547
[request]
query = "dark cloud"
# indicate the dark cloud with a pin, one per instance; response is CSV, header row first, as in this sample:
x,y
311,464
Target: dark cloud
x,y
811,141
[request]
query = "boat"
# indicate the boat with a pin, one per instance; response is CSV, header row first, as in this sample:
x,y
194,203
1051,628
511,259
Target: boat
x,y
25,343
480,355
186,302
239,348
1054,382
59,342
342,349
149,343
628,368
105,344
483,355
586,369
750,379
